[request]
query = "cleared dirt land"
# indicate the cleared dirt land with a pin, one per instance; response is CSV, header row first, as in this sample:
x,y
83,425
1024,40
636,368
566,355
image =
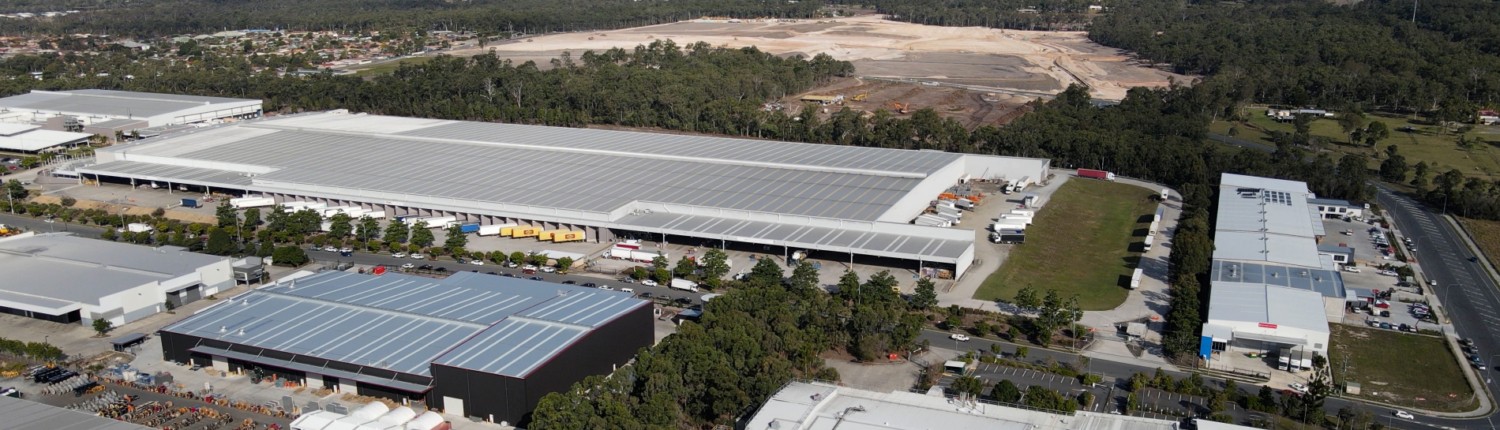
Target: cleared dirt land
x,y
990,59
1083,243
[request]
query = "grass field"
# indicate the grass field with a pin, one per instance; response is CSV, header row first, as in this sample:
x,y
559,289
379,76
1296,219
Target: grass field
x,y
1400,368
1081,243
389,66
1423,144
1486,235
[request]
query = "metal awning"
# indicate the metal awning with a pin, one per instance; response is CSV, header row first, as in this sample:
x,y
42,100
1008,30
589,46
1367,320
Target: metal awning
x,y
307,368
1218,333
128,339
1268,338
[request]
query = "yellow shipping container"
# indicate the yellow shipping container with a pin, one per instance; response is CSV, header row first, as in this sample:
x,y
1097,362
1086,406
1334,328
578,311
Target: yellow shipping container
x,y
546,235
567,236
525,232
507,230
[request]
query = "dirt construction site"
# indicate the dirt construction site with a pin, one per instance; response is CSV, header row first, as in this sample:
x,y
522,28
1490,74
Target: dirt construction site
x,y
977,60
971,108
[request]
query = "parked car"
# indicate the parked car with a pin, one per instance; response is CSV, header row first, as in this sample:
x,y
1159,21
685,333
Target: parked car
x,y
959,337
508,275
1299,387
346,249
537,278
627,280
1351,269
644,295
548,269
570,282
1479,366
425,267
440,269
528,271
528,267
1385,325
664,297
477,262
648,283
1465,341
684,300
330,248
589,285
1388,273
408,266
417,256
491,273
606,288
625,290
399,255
463,261
1405,415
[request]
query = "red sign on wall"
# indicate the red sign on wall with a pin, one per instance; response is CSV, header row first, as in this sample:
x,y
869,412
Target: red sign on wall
x,y
1267,325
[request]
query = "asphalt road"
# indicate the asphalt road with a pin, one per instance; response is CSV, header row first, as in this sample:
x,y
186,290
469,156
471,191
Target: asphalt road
x,y
453,266
40,225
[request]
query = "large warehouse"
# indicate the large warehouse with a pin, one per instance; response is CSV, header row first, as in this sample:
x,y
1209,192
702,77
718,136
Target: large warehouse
x,y
774,196
68,279
472,344
1271,288
105,111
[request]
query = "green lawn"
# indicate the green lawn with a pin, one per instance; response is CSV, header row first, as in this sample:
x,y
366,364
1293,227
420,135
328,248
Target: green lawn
x,y
1423,144
1399,368
389,66
1081,243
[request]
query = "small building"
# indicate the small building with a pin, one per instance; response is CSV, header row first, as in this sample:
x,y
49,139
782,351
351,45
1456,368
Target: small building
x,y
29,138
1337,209
1265,318
249,270
1340,254
64,278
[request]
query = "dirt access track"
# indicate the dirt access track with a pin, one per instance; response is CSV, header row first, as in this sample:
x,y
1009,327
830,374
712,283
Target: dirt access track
x,y
1028,63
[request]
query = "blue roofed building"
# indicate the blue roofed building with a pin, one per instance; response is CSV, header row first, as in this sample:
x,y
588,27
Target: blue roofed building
x,y
472,344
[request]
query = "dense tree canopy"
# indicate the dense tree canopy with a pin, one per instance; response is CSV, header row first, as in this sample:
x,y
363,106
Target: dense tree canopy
x,y
169,17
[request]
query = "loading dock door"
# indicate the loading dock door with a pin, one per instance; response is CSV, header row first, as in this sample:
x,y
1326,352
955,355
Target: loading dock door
x,y
453,406
192,294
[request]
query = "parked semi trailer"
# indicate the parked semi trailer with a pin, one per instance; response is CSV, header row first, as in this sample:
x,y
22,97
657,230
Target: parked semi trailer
x,y
1096,174
251,202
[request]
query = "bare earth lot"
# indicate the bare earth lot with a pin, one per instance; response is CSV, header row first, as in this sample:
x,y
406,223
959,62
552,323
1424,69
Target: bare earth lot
x,y
1029,61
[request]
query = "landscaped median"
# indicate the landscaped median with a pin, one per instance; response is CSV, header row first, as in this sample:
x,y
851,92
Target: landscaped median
x,y
1412,370
1082,243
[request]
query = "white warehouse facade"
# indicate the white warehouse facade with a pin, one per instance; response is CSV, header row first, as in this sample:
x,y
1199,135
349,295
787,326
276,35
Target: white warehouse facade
x,y
63,278
820,198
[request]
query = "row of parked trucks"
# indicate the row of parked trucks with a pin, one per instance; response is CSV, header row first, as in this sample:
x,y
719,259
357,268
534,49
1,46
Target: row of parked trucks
x,y
1011,227
443,222
945,212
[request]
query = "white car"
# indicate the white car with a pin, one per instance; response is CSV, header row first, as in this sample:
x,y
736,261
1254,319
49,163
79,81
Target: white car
x,y
399,255
476,262
417,256
606,288
1351,269
330,248
959,337
548,269
648,283
528,267
511,265
1405,415
1388,272
346,249
1298,387
623,290
408,266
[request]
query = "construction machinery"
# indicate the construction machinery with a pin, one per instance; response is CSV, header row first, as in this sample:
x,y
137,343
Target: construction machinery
x,y
901,108
860,98
6,230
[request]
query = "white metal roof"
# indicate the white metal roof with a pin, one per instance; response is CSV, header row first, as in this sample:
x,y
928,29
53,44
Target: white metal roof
x,y
822,406
28,415
58,271
32,140
1266,220
123,104
1260,303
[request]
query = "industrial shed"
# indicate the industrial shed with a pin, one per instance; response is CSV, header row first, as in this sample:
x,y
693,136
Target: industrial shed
x,y
104,109
472,344
774,196
68,279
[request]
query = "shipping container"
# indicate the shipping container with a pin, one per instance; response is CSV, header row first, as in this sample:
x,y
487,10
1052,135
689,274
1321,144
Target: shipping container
x,y
469,228
375,214
252,202
1147,246
440,222
137,227
568,236
545,235
189,203
493,229
1135,278
525,231
683,284
647,256
620,252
